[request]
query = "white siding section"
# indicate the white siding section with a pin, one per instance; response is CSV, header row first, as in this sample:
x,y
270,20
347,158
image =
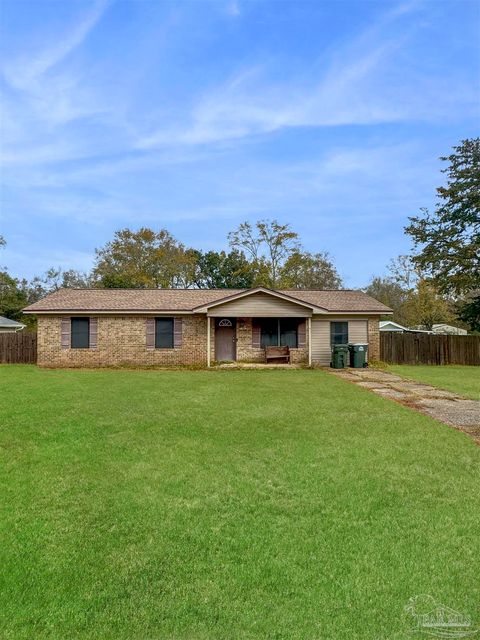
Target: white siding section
x,y
321,342
358,331
321,351
260,305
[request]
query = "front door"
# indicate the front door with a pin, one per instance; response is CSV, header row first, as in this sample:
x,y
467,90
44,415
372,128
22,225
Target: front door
x,y
225,339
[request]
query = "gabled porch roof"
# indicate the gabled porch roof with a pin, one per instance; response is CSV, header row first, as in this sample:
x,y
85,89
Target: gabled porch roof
x,y
308,307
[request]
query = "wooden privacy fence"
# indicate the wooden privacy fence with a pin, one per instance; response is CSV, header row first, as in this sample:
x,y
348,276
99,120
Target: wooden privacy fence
x,y
18,348
425,348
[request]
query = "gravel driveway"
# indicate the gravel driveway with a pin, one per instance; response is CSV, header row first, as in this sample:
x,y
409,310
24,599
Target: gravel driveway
x,y
445,406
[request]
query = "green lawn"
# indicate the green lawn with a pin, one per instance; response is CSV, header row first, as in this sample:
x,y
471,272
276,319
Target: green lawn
x,y
459,379
226,504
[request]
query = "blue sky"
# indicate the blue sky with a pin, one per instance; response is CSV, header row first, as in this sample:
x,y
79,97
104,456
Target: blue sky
x,y
195,116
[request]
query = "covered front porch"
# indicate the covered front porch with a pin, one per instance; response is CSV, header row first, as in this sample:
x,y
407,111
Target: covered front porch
x,y
240,327
239,339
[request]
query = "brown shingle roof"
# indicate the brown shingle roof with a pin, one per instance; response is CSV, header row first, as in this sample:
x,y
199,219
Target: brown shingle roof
x,y
156,300
340,300
128,299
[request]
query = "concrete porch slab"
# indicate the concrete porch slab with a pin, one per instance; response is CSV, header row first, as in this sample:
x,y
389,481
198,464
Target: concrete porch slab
x,y
255,365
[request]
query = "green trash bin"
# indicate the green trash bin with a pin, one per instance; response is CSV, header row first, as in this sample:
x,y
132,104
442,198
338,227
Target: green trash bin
x,y
358,355
339,356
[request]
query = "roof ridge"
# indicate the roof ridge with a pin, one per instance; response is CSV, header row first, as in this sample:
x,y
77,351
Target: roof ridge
x,y
144,289
354,290
192,289
155,299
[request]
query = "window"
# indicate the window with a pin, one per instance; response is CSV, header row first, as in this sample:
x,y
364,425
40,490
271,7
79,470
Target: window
x,y
163,333
269,332
80,337
277,332
289,333
339,332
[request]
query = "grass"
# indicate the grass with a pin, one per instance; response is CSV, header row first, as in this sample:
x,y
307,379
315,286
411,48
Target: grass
x,y
463,380
226,504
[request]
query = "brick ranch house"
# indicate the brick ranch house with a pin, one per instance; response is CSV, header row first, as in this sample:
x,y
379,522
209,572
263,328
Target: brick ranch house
x,y
107,327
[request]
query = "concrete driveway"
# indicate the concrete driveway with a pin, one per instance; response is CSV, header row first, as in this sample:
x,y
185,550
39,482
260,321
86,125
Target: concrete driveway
x,y
445,406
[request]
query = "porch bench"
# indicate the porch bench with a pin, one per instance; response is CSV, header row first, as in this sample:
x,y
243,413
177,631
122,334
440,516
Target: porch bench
x,y
276,353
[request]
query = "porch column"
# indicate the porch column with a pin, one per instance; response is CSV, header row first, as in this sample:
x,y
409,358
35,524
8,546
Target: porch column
x,y
208,341
309,330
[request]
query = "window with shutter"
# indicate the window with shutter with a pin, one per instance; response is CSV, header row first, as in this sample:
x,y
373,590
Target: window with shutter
x,y
80,333
163,333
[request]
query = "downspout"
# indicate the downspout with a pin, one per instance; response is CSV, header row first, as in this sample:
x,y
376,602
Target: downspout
x,y
309,325
208,340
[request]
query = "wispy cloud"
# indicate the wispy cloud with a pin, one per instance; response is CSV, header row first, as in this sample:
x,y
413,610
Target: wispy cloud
x,y
257,187
233,9
357,85
25,72
159,113
43,93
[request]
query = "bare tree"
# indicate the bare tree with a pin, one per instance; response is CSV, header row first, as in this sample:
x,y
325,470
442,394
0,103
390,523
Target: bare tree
x,y
404,272
269,245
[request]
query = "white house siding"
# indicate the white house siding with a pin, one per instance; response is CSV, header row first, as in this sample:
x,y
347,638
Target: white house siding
x,y
320,341
321,349
358,331
260,305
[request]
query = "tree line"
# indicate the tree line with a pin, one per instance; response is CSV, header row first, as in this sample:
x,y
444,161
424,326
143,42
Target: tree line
x,y
265,253
438,282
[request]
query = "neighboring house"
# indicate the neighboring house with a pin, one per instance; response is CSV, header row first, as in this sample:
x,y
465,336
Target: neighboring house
x,y
105,327
10,326
390,325
448,329
440,329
